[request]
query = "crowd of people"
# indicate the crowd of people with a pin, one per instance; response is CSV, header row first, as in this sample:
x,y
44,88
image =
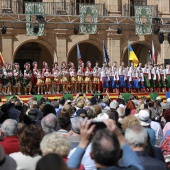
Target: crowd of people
x,y
87,79
85,134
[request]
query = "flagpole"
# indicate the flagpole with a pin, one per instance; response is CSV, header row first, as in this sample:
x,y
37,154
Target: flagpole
x,y
128,54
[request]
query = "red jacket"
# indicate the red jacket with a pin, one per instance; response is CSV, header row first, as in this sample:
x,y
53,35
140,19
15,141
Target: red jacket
x,y
10,144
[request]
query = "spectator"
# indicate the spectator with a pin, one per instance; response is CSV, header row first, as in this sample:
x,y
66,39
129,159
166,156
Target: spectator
x,y
30,151
81,113
64,123
137,137
74,134
114,105
130,105
145,121
13,113
56,143
61,105
6,162
106,149
121,114
51,162
129,121
48,108
11,141
49,123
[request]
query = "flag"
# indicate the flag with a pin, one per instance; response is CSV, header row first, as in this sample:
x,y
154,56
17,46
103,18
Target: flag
x,y
1,60
153,53
78,52
132,56
105,54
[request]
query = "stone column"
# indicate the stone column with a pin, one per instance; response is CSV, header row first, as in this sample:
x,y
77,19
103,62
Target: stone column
x,y
114,46
7,46
61,48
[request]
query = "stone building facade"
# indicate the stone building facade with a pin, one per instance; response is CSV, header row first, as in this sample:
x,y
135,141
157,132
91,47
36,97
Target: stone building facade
x,y
59,42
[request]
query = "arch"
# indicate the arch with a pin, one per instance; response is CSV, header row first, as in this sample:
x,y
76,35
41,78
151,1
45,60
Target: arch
x,y
50,49
31,51
87,49
143,48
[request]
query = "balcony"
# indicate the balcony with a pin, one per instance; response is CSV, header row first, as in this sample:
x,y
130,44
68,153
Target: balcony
x,y
129,10
51,8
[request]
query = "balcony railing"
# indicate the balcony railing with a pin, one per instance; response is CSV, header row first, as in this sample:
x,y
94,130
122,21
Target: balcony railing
x,y
129,10
51,8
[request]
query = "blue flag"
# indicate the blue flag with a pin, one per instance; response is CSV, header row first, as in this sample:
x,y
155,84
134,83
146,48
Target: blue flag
x,y
78,52
105,54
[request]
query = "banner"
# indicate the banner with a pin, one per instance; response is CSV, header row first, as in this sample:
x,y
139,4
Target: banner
x,y
143,17
88,15
32,10
105,54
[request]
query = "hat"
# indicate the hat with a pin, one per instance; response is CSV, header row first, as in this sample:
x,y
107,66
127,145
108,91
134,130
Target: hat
x,y
114,104
168,100
93,100
144,117
158,98
101,117
80,111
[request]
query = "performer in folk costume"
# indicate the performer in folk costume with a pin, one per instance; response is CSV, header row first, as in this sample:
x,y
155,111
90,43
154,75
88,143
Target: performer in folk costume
x,y
82,65
105,79
153,78
114,78
167,72
141,80
27,79
45,66
73,79
48,81
55,67
87,80
122,78
34,75
56,81
139,67
40,82
128,81
7,79
1,78
71,66
89,66
147,76
96,79
131,67
158,79
162,72
17,79
80,79
135,80
64,79
63,65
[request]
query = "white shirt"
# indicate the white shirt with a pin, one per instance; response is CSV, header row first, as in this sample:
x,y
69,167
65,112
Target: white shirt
x,y
25,162
86,161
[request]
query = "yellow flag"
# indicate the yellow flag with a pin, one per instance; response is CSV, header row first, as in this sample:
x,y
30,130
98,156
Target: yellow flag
x,y
132,56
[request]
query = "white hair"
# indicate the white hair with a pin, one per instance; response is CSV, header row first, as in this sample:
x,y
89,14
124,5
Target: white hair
x,y
136,136
75,124
49,123
9,127
56,143
121,112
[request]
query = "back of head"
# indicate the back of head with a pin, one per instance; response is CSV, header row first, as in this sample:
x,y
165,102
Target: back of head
x,y
51,162
55,143
75,124
30,140
62,101
48,108
33,115
121,112
64,122
136,136
105,148
49,123
9,127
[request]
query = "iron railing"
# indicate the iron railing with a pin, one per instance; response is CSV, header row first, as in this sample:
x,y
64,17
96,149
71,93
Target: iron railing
x,y
51,8
129,10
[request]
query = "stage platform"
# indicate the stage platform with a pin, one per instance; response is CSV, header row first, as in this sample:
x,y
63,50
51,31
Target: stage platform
x,y
113,96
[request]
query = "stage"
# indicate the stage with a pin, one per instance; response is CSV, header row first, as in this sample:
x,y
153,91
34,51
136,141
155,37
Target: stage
x,y
112,96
